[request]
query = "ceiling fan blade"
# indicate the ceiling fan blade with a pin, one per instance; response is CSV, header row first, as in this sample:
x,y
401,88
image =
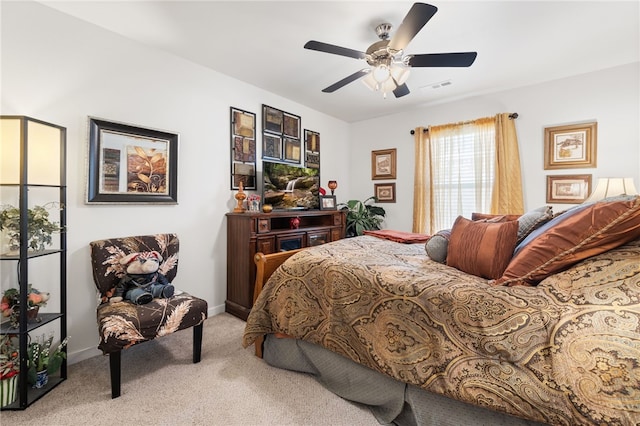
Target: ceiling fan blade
x,y
418,15
459,59
401,90
336,50
356,75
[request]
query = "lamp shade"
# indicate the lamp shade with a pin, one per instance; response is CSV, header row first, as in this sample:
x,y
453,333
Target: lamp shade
x,y
611,187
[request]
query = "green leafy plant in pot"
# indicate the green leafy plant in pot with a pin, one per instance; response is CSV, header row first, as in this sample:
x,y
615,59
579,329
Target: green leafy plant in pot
x,y
39,227
42,361
362,215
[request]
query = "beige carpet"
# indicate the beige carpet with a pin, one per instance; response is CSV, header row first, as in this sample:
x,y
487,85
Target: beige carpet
x,y
161,386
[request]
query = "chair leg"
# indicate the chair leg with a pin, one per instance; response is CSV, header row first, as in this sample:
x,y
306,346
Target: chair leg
x,y
114,366
197,342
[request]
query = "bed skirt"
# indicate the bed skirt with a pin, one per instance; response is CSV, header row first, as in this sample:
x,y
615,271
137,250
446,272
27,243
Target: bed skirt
x,y
390,401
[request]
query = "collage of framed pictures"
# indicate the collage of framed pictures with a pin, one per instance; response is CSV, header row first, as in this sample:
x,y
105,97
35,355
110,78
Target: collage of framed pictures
x,y
243,149
568,147
281,135
312,149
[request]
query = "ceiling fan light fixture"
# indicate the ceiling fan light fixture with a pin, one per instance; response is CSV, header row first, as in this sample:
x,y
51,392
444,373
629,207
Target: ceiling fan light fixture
x,y
381,73
400,73
370,82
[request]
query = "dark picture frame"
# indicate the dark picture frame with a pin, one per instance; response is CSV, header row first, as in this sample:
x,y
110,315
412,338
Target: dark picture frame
x,y
385,192
291,125
328,202
272,146
311,149
272,119
383,164
568,189
281,135
243,149
292,151
571,146
131,164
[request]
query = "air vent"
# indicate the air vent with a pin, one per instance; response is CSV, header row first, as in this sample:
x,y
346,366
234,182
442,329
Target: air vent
x,y
437,85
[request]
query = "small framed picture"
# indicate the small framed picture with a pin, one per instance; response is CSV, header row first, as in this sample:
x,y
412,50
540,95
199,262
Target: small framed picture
x,y
383,164
568,189
328,202
570,147
385,192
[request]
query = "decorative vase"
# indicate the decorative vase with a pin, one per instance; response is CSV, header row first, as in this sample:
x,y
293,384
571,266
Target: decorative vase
x,y
42,378
32,313
8,390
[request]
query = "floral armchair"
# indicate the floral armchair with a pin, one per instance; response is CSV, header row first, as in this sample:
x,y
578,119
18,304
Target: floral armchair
x,y
124,324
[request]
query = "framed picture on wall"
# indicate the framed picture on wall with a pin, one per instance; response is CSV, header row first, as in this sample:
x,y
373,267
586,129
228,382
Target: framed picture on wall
x,y
243,149
312,149
568,189
571,146
385,192
383,164
131,164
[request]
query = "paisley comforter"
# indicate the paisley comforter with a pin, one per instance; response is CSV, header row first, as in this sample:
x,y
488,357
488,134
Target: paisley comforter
x,y
565,352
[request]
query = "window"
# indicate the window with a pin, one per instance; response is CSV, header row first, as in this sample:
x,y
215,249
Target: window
x,y
462,170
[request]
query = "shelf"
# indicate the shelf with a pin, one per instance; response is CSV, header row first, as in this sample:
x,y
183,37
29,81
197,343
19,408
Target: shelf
x,y
44,318
35,394
30,255
34,168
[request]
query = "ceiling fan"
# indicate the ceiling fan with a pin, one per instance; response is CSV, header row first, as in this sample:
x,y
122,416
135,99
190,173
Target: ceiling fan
x,y
389,66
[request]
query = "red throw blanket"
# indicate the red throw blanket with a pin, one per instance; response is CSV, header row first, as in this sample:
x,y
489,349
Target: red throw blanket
x,y
399,236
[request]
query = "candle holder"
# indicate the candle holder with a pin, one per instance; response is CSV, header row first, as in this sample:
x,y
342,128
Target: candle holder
x,y
332,186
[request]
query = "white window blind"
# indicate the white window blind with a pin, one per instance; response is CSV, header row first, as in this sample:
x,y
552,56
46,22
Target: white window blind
x,y
463,158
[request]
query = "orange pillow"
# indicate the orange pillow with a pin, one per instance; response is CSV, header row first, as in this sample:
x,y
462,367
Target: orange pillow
x,y
578,233
481,248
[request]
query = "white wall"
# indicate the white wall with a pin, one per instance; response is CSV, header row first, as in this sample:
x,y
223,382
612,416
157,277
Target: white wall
x,y
62,70
611,97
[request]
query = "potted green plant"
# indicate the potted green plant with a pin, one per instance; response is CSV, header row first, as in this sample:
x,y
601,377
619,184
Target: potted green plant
x,y
42,361
39,227
362,215
9,369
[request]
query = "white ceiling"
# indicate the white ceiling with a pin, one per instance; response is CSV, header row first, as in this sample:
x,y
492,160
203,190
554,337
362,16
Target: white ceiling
x,y
519,43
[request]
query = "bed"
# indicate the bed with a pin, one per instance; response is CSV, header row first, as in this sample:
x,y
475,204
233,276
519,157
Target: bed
x,y
561,350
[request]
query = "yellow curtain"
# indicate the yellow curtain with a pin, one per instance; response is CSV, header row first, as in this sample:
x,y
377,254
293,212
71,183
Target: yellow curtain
x,y
421,191
507,195
438,165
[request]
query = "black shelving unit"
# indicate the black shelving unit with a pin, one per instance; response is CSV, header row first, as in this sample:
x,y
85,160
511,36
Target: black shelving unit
x,y
32,132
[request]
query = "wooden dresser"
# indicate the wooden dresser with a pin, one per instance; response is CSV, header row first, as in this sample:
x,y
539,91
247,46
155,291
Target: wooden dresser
x,y
250,233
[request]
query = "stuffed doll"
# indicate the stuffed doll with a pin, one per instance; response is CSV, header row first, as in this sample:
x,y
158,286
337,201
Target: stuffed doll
x,y
142,282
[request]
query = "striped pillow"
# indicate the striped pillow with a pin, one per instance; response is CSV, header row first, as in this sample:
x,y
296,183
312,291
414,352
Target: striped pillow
x,y
483,249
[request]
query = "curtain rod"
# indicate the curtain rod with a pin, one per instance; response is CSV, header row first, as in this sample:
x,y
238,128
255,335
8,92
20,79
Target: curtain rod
x,y
512,116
